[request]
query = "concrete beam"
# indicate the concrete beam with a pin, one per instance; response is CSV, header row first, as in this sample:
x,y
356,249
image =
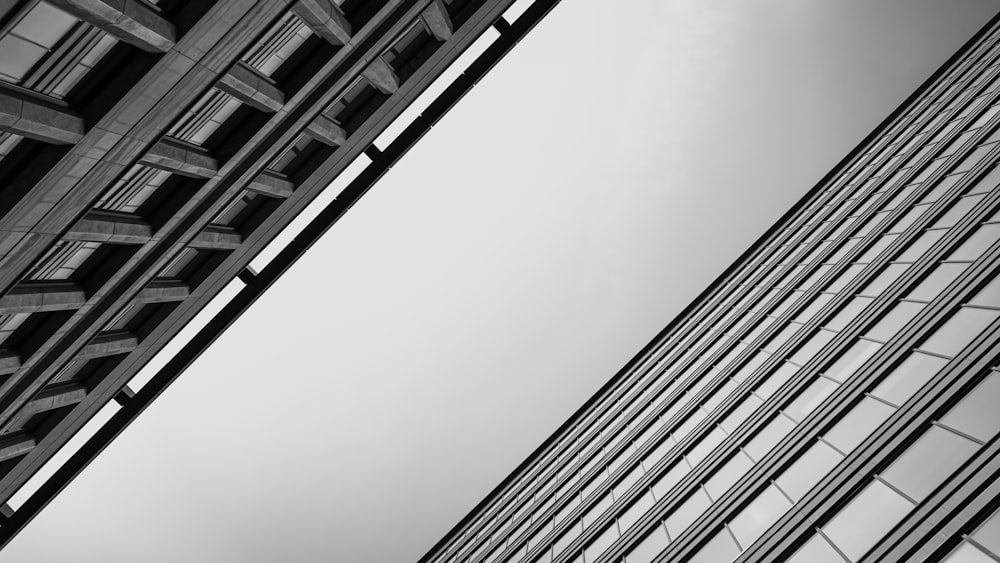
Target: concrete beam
x,y
180,158
163,291
325,19
9,361
130,21
111,226
54,397
326,131
252,88
437,20
41,296
271,184
37,118
109,344
380,75
217,237
16,445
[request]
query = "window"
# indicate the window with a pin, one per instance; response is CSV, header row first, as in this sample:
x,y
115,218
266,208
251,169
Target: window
x,y
866,519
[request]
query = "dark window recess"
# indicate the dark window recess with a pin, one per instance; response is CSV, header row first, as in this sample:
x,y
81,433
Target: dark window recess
x,y
141,319
234,132
35,331
102,265
302,159
110,81
193,265
165,202
410,51
247,211
359,12
303,64
357,105
25,166
88,373
461,10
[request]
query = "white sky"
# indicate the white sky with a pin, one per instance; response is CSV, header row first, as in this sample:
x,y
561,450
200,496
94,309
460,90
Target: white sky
x,y
602,175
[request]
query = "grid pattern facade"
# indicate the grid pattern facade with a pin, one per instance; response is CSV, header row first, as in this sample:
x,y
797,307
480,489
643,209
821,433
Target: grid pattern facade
x,y
152,151
831,398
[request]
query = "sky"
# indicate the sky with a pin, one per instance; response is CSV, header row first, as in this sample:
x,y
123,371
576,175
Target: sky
x,y
605,172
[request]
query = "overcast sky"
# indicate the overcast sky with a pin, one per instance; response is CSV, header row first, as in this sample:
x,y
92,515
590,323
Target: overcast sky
x,y
601,176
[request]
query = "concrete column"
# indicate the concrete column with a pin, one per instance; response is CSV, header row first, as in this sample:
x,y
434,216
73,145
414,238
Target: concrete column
x,y
109,344
130,21
113,227
217,237
38,118
326,131
325,19
34,297
180,158
381,76
272,184
247,85
162,291
437,20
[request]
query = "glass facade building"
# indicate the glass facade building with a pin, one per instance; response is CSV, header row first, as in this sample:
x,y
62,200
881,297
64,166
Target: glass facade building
x,y
832,397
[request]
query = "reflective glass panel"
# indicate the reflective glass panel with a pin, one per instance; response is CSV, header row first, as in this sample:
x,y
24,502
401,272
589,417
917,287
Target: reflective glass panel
x,y
977,414
928,462
863,522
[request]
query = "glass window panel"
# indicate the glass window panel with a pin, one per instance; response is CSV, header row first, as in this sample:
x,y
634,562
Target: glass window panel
x,y
810,398
705,446
45,24
845,278
852,360
769,436
596,510
777,378
858,424
968,553
928,462
636,511
988,535
741,413
627,481
689,511
958,331
894,321
908,377
728,474
863,522
976,244
650,547
816,550
891,273
812,347
958,210
850,312
720,549
663,486
808,469
18,57
977,414
599,545
779,339
943,186
939,278
921,245
759,515
874,250
989,295
906,220
567,538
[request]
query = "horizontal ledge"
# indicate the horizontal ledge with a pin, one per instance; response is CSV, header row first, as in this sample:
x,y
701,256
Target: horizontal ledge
x,y
40,296
109,344
381,76
252,88
325,19
217,237
271,184
38,118
130,21
437,20
326,131
16,445
181,158
111,227
54,397
163,291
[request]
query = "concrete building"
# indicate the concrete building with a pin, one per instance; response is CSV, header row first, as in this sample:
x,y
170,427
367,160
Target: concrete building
x,y
151,151
830,398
